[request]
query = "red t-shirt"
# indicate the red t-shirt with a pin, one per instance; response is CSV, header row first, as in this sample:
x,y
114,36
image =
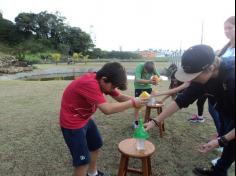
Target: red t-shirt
x,y
80,101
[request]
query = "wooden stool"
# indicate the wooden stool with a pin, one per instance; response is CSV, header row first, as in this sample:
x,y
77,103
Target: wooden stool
x,y
158,107
128,149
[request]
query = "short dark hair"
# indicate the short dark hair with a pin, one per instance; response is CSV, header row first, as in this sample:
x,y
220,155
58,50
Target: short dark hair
x,y
115,74
149,66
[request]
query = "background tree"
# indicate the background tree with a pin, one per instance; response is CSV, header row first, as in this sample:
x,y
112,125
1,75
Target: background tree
x,y
6,27
77,57
56,57
38,34
85,59
26,23
97,53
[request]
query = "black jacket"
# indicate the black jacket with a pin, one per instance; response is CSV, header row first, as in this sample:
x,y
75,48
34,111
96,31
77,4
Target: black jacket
x,y
220,90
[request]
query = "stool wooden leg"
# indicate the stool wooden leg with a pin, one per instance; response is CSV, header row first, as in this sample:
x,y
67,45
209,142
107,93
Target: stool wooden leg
x,y
145,167
147,114
159,110
123,165
163,126
149,166
160,129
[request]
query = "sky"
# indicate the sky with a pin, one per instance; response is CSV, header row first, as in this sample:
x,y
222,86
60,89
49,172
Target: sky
x,y
137,24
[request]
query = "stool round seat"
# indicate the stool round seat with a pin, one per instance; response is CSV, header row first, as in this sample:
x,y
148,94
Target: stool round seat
x,y
128,147
128,150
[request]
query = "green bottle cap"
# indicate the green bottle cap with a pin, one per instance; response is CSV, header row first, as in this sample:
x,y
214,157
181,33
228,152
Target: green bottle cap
x,y
140,132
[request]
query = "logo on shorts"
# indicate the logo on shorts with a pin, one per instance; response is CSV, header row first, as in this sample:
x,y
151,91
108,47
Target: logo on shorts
x,y
82,158
225,86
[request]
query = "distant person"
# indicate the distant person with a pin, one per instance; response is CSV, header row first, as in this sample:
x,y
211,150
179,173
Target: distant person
x,y
80,101
198,117
208,74
69,60
143,82
229,48
227,51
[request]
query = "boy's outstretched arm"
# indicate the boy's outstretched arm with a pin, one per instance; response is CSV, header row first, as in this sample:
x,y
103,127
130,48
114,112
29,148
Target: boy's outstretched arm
x,y
122,98
174,90
167,112
111,108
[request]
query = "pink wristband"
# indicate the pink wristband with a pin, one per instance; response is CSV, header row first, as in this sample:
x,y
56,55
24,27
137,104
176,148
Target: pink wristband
x,y
133,102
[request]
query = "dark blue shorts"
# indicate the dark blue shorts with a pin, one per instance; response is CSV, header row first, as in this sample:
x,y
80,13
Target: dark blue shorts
x,y
140,91
82,141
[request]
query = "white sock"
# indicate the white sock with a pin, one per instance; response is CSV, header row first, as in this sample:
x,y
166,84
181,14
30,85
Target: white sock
x,y
94,174
201,117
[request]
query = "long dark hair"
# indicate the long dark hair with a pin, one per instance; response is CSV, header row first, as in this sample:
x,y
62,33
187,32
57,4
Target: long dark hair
x,y
230,20
223,50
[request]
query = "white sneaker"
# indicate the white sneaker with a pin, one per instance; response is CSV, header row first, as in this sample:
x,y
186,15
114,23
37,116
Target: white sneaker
x,y
220,149
214,161
135,125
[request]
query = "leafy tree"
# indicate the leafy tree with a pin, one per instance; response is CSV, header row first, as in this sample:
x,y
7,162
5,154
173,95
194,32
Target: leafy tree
x,y
52,27
123,55
26,23
77,56
97,53
85,58
56,57
78,40
6,27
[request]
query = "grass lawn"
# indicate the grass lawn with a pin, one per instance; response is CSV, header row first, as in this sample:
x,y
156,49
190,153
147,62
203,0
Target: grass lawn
x,y
32,143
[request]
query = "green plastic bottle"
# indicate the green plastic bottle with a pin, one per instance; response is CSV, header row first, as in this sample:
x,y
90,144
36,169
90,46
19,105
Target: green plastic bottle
x,y
141,135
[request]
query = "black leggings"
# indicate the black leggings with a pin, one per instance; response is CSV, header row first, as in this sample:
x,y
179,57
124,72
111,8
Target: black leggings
x,y
200,105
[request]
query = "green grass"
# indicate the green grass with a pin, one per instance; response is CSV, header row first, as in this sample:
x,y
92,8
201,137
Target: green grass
x,y
32,143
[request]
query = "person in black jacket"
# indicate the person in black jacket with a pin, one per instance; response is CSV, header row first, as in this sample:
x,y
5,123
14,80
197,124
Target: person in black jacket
x,y
216,77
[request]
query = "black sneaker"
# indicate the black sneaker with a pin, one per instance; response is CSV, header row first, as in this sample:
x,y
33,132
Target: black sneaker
x,y
201,171
100,173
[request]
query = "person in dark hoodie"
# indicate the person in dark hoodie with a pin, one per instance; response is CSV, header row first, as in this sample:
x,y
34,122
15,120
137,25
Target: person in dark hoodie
x,y
213,76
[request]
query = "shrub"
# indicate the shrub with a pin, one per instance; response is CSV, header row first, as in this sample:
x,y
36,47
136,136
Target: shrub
x,y
56,57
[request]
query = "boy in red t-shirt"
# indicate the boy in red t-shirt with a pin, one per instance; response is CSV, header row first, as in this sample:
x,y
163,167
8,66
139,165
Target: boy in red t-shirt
x,y
80,101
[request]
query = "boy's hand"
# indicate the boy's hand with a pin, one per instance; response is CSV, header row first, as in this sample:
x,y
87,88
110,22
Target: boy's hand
x,y
139,102
153,82
149,125
208,146
154,93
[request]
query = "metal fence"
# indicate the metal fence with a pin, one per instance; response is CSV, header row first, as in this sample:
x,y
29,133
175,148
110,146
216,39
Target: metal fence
x,y
176,58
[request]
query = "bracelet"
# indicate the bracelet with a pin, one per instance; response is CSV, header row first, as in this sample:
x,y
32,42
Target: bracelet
x,y
133,102
223,142
155,121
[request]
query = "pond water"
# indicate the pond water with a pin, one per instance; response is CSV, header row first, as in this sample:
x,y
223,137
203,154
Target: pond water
x,y
51,78
130,77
